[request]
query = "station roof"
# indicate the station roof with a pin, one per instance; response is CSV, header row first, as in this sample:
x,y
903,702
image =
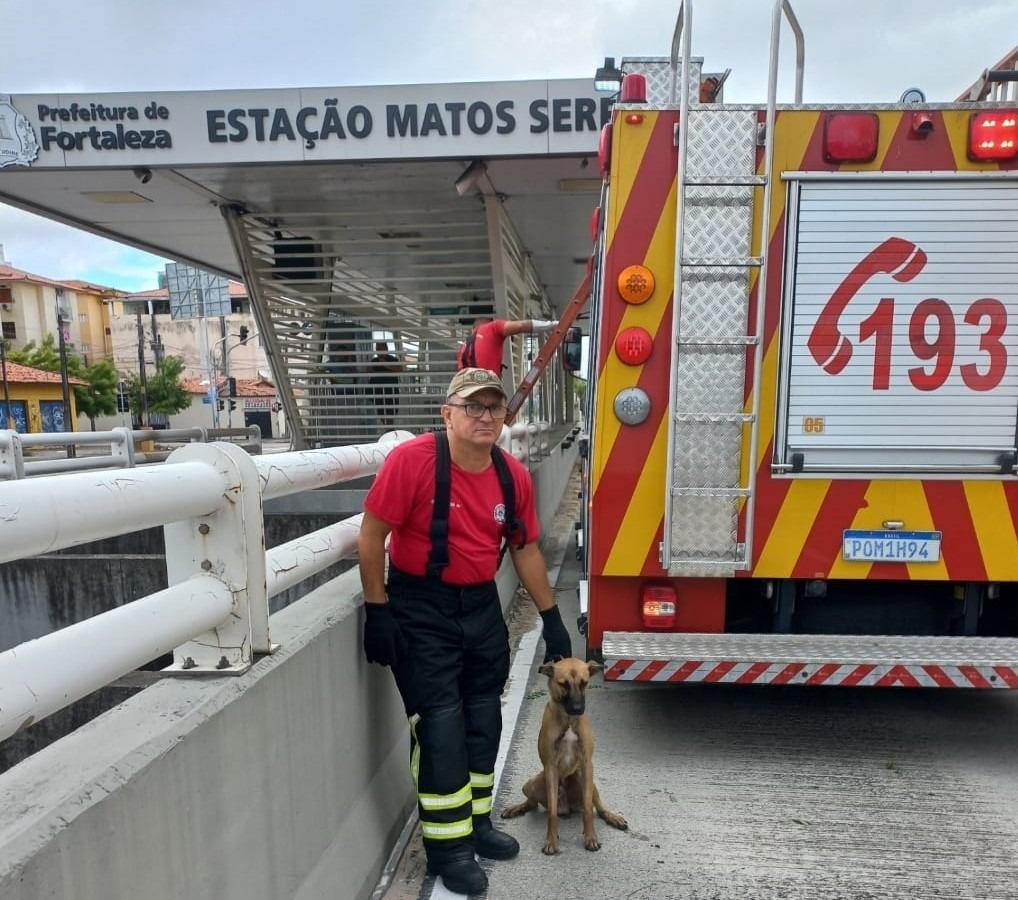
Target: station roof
x,y
153,170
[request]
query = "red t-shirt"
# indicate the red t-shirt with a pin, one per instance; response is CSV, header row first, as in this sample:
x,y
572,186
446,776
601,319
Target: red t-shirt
x,y
488,340
403,496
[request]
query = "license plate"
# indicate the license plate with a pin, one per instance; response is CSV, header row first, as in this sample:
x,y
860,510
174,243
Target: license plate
x,y
891,546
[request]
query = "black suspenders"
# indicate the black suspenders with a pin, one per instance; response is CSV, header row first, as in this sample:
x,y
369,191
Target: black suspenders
x,y
438,557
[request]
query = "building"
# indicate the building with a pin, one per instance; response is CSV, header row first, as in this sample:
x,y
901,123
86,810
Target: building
x,y
181,337
28,312
256,403
37,402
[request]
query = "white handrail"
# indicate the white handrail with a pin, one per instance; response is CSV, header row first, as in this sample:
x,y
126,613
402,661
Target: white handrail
x,y
40,515
304,470
292,562
39,677
215,613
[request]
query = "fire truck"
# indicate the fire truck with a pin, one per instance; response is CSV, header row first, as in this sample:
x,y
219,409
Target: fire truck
x,y
801,460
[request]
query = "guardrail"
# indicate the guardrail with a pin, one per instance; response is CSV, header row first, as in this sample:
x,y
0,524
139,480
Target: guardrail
x,y
214,616
123,444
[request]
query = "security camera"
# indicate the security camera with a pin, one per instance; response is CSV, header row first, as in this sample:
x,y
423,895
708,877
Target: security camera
x,y
143,175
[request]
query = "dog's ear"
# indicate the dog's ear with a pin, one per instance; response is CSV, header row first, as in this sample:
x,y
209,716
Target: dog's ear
x,y
594,666
547,669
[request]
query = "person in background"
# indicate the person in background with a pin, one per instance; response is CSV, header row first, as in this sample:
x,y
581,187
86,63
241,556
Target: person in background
x,y
384,383
483,346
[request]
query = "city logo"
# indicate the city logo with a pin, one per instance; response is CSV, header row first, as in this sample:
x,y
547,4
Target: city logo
x,y
18,146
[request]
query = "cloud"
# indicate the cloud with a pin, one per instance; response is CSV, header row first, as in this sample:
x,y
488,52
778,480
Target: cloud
x,y
59,251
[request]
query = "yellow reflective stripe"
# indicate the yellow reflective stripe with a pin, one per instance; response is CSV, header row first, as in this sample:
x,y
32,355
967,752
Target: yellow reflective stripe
x,y
447,830
415,756
478,780
445,801
481,806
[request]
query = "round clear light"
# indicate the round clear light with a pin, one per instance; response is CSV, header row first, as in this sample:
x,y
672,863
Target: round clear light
x,y
632,406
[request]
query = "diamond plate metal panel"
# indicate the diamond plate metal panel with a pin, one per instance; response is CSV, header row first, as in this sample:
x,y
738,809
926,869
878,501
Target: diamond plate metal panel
x,y
707,455
658,73
721,142
714,303
709,380
809,648
704,528
718,222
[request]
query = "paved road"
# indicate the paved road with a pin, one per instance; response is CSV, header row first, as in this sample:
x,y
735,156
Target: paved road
x,y
740,793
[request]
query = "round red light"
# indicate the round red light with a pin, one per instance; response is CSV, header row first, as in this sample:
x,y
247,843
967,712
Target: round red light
x,y
634,88
634,118
633,346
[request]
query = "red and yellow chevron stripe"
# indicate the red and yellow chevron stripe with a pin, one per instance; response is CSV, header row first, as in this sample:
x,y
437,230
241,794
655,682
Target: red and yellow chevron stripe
x,y
799,520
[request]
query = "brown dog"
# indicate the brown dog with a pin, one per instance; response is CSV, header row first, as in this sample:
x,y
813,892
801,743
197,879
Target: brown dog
x,y
566,748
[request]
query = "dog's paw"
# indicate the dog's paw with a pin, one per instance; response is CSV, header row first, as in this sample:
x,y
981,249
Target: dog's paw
x,y
550,848
591,842
615,820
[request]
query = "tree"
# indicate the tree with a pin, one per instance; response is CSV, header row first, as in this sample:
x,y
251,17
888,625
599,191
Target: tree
x,y
99,396
164,392
45,356
96,398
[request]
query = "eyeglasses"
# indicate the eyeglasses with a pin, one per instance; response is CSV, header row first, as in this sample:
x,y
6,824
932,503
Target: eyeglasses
x,y
476,410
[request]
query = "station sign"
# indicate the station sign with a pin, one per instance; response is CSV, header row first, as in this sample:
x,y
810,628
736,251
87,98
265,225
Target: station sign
x,y
516,118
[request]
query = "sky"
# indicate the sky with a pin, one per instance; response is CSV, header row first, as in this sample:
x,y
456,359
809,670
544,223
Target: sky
x,y
856,50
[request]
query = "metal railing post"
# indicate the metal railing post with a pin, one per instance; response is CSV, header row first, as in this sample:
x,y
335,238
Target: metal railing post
x,y
122,449
12,460
229,544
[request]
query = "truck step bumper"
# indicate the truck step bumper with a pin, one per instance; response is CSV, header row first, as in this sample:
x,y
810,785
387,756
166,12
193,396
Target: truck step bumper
x,y
812,659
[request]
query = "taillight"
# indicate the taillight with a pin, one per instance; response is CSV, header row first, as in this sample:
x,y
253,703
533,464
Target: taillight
x,y
658,606
604,150
851,137
994,135
633,346
636,284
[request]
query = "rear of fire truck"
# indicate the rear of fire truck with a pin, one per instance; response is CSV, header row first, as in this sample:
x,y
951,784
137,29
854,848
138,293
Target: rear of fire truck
x,y
804,401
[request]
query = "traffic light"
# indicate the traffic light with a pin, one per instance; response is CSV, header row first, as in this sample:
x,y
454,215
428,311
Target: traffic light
x,y
222,405
231,387
233,405
243,334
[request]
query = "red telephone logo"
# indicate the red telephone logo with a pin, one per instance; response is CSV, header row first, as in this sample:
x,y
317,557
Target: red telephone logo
x,y
900,259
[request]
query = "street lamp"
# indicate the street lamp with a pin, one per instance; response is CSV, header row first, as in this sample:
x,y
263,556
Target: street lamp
x,y
608,79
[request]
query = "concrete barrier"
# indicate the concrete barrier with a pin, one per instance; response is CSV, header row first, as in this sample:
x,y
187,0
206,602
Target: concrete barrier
x,y
289,781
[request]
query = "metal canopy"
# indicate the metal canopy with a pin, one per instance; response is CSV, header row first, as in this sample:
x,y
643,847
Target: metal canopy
x,y
341,255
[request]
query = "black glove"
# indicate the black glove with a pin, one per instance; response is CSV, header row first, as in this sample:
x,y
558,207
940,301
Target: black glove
x,y
383,641
556,638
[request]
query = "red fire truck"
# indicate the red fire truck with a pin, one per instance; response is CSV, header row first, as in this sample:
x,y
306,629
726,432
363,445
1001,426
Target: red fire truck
x,y
801,460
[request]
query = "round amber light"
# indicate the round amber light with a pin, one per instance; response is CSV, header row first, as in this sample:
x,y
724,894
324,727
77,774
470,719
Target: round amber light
x,y
636,284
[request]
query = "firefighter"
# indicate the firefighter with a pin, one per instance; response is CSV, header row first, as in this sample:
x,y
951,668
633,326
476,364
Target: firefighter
x,y
483,346
452,501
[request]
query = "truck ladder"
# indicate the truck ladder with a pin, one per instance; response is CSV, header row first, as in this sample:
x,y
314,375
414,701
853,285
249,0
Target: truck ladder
x,y
554,341
710,330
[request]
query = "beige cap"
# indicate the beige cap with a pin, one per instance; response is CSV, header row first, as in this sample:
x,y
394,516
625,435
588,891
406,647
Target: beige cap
x,y
468,382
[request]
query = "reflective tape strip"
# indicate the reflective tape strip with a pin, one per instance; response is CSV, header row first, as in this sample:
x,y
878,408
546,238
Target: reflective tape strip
x,y
481,806
447,831
415,755
478,780
445,801
927,675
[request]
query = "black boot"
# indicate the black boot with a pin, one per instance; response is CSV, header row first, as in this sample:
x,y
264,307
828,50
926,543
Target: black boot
x,y
493,844
459,870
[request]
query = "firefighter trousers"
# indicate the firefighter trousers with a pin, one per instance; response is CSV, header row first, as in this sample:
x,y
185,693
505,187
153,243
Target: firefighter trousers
x,y
451,680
